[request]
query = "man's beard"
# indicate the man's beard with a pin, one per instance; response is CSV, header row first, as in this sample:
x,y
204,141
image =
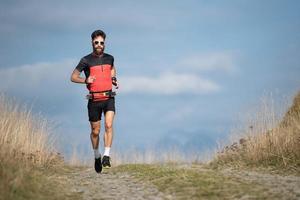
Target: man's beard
x,y
98,50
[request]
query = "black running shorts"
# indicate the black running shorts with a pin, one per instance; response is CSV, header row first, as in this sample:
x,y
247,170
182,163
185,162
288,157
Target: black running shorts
x,y
95,108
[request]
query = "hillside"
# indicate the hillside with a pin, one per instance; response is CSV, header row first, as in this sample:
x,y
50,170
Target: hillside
x,y
31,168
277,148
29,163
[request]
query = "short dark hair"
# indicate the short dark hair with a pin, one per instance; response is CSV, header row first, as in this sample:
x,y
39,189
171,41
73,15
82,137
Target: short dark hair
x,y
97,33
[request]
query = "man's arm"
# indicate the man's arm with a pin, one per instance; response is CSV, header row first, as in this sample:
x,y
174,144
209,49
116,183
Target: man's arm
x,y
113,71
113,77
75,77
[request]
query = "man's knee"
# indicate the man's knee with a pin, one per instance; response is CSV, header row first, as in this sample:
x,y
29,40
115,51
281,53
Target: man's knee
x,y
95,131
108,125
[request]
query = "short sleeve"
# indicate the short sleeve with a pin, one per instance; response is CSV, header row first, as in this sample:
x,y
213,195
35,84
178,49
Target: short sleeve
x,y
81,65
112,61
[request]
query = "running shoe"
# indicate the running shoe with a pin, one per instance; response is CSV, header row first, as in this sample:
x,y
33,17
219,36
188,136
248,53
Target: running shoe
x,y
98,165
106,162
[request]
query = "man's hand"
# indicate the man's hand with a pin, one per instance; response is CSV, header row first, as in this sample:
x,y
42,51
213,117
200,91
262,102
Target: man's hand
x,y
90,79
115,82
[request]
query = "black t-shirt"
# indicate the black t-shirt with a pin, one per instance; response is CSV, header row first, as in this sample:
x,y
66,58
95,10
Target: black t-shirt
x,y
99,67
92,60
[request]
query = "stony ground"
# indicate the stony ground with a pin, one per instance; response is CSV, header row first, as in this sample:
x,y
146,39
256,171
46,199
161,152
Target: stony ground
x,y
288,187
122,184
111,185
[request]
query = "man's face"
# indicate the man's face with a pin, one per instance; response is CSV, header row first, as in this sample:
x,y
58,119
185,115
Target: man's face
x,y
98,45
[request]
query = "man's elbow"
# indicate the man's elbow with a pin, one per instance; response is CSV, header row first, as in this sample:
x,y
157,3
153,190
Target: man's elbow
x,y
72,79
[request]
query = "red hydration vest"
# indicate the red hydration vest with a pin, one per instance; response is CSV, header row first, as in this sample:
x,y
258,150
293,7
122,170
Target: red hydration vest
x,y
100,68
102,82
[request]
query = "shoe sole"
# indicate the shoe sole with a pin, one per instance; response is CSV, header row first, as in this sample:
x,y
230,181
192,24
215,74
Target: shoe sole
x,y
100,167
99,171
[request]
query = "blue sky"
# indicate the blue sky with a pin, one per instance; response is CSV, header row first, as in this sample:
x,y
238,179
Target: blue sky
x,y
186,68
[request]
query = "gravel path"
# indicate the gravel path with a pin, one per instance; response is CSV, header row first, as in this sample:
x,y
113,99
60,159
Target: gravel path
x,y
120,184
286,186
111,185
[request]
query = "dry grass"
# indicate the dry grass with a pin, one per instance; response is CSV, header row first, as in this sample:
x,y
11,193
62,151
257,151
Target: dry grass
x,y
135,156
148,156
267,140
25,145
85,157
24,137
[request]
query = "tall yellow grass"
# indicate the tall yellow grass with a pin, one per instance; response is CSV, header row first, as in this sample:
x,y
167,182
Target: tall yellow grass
x,y
27,151
136,156
23,136
267,139
132,156
160,156
148,156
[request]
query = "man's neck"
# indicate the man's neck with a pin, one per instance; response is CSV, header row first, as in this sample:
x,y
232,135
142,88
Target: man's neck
x,y
98,55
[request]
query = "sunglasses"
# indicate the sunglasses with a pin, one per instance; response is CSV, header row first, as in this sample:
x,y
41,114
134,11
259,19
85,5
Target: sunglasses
x,y
99,42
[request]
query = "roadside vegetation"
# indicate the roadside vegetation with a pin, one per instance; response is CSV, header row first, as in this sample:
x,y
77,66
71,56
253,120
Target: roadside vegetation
x,y
268,145
28,160
31,167
197,182
266,141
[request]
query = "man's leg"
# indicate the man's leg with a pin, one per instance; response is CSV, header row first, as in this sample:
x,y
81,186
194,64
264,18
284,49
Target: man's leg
x,y
95,130
108,137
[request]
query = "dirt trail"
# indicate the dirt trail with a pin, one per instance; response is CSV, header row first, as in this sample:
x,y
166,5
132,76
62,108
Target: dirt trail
x,y
273,186
111,185
121,184
286,186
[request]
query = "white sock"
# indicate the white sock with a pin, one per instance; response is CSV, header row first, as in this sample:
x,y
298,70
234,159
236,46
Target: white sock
x,y
96,153
106,151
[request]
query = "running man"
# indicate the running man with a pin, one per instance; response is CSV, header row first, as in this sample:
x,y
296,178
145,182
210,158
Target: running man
x,y
100,75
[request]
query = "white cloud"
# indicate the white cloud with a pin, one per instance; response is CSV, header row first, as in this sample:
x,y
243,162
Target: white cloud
x,y
32,14
77,15
220,61
41,80
167,84
52,81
